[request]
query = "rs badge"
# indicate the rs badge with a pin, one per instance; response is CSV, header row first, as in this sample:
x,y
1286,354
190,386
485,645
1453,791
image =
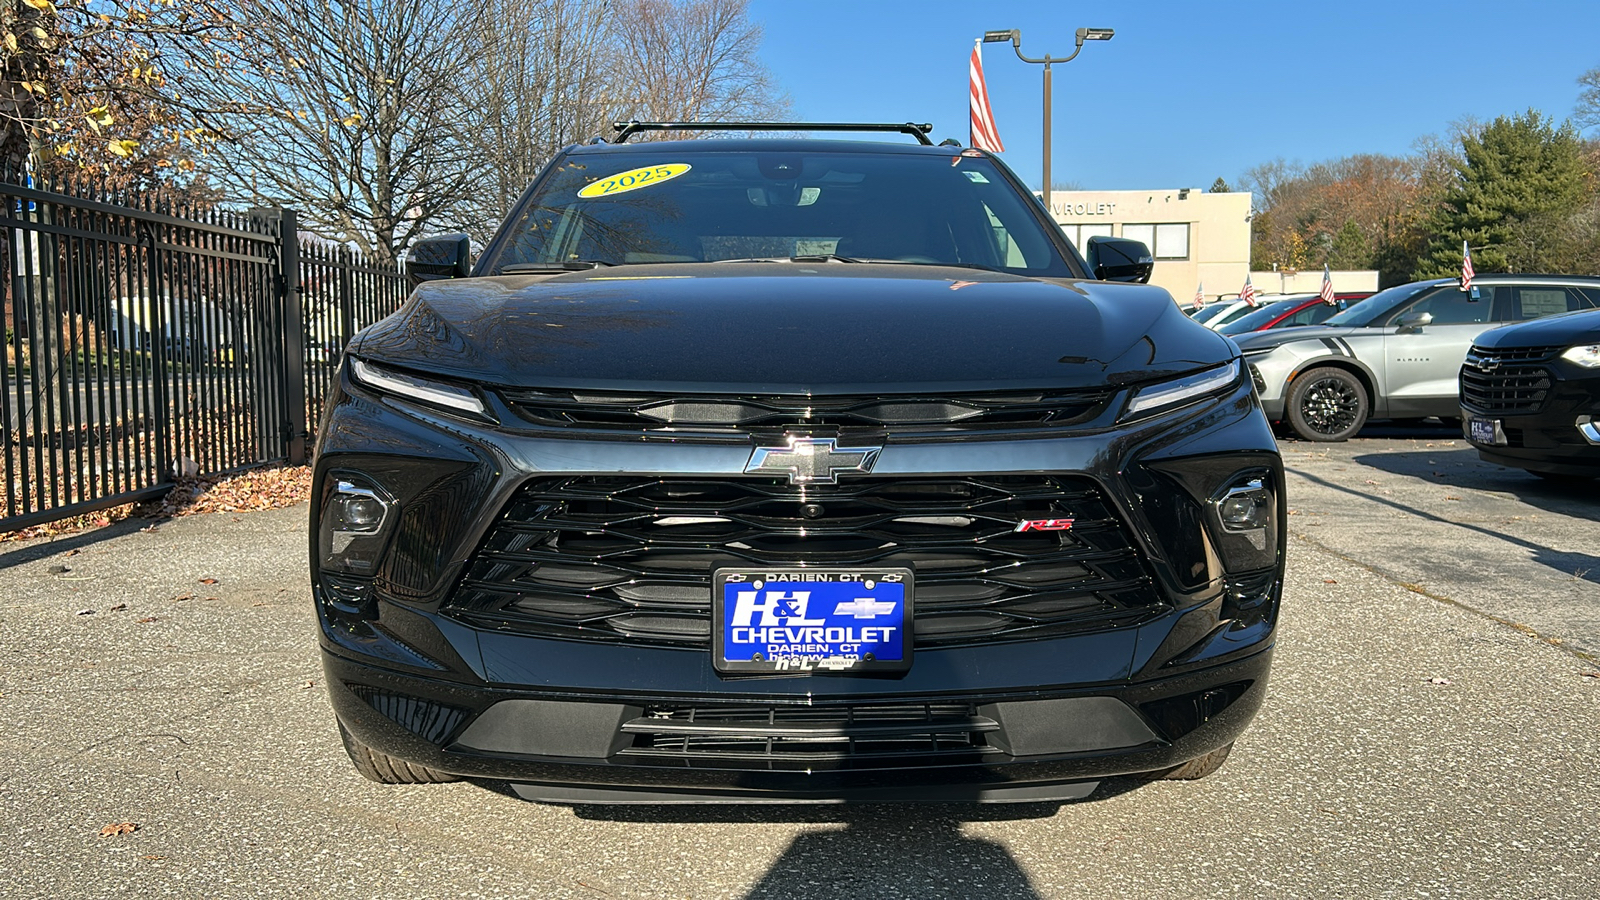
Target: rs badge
x,y
1045,525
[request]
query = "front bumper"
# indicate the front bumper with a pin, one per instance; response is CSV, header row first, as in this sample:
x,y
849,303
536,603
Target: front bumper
x,y
1052,743
1562,438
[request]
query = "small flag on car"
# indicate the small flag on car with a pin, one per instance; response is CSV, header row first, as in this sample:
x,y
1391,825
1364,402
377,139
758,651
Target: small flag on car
x,y
984,134
1466,267
1199,295
1327,287
1248,293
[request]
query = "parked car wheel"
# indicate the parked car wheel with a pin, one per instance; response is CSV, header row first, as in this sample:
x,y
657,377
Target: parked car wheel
x,y
385,769
1195,768
1327,405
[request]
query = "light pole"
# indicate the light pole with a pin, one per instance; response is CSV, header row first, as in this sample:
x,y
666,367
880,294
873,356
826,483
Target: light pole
x,y
1014,35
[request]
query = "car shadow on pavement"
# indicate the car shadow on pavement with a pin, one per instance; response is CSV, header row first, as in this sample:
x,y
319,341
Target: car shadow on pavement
x,y
1435,465
903,856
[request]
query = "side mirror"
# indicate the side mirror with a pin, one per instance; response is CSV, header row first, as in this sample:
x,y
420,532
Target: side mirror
x,y
1120,259
1412,322
443,256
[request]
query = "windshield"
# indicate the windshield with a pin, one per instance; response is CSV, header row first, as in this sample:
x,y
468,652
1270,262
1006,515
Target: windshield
x,y
679,205
1376,306
1259,318
1212,311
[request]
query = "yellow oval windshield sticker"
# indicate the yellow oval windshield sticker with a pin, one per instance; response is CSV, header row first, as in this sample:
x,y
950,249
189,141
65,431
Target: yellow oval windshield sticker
x,y
633,179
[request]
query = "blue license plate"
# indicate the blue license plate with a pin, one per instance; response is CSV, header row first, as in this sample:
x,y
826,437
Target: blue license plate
x,y
1485,431
806,622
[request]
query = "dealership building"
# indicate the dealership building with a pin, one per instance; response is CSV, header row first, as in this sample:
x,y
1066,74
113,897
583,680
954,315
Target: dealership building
x,y
1197,239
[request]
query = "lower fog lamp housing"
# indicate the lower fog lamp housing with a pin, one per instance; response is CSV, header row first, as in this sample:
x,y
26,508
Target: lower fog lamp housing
x,y
353,527
1245,513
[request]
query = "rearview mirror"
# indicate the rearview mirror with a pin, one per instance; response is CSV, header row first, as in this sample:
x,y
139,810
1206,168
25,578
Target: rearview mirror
x,y
1119,259
442,256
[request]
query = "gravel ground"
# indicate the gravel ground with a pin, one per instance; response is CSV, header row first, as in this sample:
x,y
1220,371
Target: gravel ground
x,y
1410,747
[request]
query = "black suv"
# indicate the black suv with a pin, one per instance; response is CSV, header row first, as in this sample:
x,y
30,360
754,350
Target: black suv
x,y
789,470
1530,396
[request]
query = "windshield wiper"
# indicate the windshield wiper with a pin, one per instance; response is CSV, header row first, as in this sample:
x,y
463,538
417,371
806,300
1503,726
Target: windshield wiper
x,y
569,265
823,257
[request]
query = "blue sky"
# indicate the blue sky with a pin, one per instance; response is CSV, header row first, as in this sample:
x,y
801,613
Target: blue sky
x,y
1186,91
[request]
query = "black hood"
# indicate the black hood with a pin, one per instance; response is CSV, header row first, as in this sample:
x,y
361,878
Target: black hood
x,y
792,328
1571,328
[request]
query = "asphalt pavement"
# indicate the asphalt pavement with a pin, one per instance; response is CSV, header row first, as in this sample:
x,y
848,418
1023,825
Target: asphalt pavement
x,y
1425,735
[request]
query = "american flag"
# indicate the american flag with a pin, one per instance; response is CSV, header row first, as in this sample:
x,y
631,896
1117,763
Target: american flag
x,y
1199,295
1248,293
1327,287
1466,267
984,135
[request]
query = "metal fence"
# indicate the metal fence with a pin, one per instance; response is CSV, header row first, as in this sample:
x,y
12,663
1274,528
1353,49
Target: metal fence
x,y
146,340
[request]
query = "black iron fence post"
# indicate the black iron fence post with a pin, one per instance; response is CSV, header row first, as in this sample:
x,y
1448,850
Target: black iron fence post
x,y
294,338
161,393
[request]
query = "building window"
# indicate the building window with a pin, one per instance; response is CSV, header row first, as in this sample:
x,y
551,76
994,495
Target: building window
x,y
1079,234
1166,241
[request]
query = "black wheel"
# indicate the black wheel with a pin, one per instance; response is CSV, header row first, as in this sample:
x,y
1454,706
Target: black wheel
x,y
1195,768
1327,405
385,769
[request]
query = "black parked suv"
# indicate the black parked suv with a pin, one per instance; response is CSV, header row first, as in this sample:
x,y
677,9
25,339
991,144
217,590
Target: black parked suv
x,y
1530,396
792,470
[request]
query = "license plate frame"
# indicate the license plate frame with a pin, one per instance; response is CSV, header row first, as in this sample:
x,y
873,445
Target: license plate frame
x,y
1485,431
826,592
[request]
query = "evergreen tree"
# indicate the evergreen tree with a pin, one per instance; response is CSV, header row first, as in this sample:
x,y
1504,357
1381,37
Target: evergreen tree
x,y
1219,186
1350,248
1517,175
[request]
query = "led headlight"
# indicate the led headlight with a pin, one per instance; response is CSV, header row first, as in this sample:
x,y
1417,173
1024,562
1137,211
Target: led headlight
x,y
1169,394
1586,355
412,387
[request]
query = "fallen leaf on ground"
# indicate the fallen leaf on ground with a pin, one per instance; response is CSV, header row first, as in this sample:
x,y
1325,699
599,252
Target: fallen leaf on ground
x,y
1449,497
1590,674
208,581
1329,581
308,685
1438,681
85,612
258,489
147,620
116,828
153,856
119,607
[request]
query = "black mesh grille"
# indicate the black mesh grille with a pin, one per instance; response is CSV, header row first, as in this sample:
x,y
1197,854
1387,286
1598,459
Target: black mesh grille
x,y
732,414
627,558
1512,380
811,737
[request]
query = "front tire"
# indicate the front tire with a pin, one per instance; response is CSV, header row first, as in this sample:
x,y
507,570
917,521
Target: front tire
x,y
1327,404
1195,769
385,769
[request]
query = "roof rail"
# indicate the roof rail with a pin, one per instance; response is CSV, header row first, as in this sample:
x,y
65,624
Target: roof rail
x,y
916,130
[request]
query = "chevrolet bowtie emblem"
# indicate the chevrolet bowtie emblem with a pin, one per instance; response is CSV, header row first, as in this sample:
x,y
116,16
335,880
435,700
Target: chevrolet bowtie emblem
x,y
811,460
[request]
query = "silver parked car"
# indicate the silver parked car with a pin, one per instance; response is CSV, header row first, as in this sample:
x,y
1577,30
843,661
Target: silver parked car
x,y
1396,355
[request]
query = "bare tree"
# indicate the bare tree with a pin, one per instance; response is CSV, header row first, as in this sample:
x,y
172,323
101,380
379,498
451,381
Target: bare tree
x,y
540,78
693,60
349,110
547,73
